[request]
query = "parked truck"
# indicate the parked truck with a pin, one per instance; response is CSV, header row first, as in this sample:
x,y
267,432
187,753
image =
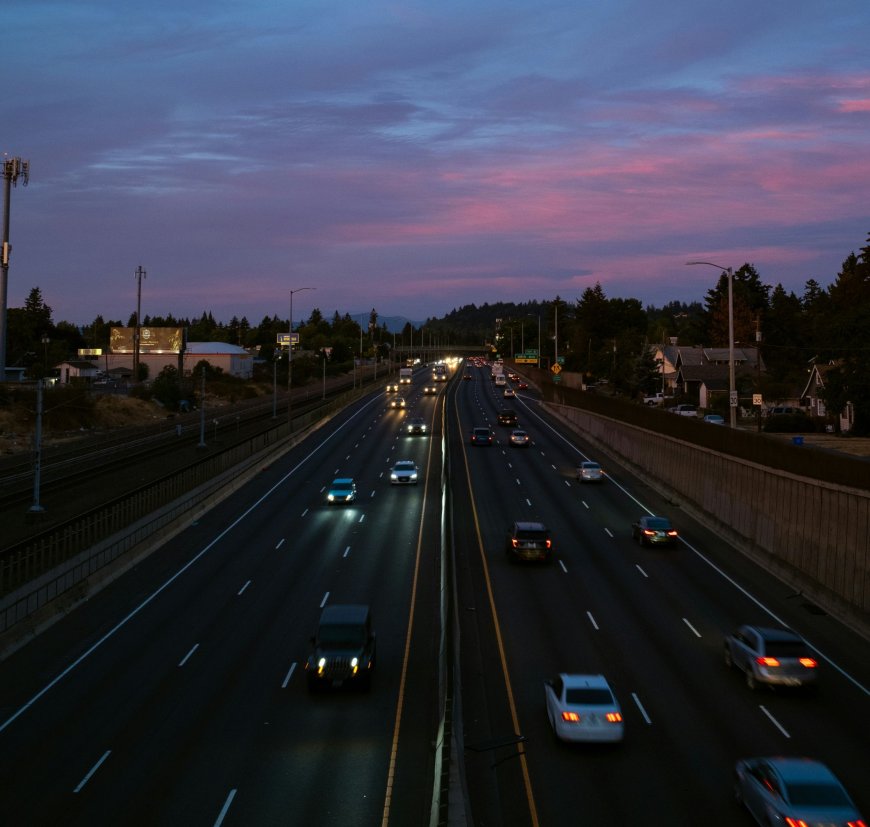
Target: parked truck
x,y
655,399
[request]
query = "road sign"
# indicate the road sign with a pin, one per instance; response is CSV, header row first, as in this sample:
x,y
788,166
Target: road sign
x,y
757,400
556,369
733,399
285,338
556,377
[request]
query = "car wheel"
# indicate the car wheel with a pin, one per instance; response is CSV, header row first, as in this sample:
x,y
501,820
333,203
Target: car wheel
x,y
729,661
750,679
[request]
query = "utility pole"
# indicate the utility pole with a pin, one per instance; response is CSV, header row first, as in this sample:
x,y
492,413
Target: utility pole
x,y
13,169
140,274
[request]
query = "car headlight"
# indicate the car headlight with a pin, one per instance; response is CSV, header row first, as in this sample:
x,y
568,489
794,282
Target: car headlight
x,y
414,476
330,497
394,477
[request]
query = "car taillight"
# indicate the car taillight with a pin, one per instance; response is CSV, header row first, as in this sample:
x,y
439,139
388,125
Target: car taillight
x,y
515,542
571,717
649,532
795,822
614,717
672,533
808,662
548,543
767,661
858,823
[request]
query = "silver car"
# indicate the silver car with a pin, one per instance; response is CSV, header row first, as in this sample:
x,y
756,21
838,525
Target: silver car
x,y
404,472
590,472
793,791
583,708
772,656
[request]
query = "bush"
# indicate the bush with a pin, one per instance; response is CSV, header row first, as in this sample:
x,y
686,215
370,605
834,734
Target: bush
x,y
793,423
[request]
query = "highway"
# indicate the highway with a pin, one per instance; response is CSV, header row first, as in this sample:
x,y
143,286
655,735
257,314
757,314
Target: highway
x,y
177,694
651,620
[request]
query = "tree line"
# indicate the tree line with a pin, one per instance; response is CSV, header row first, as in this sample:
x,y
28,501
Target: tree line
x,y
601,337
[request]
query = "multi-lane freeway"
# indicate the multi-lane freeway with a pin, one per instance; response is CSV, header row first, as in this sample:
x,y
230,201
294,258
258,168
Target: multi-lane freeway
x,y
177,695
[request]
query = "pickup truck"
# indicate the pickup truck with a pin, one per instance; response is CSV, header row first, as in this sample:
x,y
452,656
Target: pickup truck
x,y
655,399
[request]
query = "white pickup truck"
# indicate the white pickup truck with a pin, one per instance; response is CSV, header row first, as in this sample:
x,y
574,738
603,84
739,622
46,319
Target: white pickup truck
x,y
655,399
684,410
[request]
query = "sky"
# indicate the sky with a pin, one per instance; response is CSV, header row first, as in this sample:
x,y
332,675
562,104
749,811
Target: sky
x,y
416,157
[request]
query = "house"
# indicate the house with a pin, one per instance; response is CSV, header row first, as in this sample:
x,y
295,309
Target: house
x,y
816,405
702,373
77,370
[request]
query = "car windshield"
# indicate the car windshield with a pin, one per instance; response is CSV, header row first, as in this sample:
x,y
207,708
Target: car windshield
x,y
591,466
531,535
403,466
587,696
342,636
658,524
818,795
342,486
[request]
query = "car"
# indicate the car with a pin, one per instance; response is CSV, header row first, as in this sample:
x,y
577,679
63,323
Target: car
x,y
509,393
793,791
342,490
404,472
416,425
507,418
343,648
392,388
481,436
398,402
684,410
519,438
589,471
467,376
429,390
777,657
523,386
528,541
513,377
583,708
650,530
714,419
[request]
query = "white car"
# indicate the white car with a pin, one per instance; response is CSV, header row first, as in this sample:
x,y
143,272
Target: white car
x,y
583,708
589,472
397,402
508,393
404,472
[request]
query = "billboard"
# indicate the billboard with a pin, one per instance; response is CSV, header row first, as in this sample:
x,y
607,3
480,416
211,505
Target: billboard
x,y
151,339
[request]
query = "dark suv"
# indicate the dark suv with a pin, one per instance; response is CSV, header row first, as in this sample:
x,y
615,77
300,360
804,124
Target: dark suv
x,y
529,541
507,418
342,648
481,436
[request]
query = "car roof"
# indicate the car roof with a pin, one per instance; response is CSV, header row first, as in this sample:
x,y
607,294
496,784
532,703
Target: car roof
x,y
530,526
404,462
793,770
482,428
589,464
584,681
342,481
344,613
769,633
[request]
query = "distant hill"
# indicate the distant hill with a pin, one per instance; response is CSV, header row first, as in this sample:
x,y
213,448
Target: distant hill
x,y
395,324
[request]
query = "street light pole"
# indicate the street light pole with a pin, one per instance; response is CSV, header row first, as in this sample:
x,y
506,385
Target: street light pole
x,y
290,360
13,169
732,387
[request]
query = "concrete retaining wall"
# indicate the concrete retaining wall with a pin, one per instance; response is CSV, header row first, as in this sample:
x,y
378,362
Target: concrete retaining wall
x,y
815,536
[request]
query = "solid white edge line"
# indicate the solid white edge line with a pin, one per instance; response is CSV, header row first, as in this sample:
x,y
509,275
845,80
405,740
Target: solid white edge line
x,y
748,595
92,770
773,720
640,707
223,813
